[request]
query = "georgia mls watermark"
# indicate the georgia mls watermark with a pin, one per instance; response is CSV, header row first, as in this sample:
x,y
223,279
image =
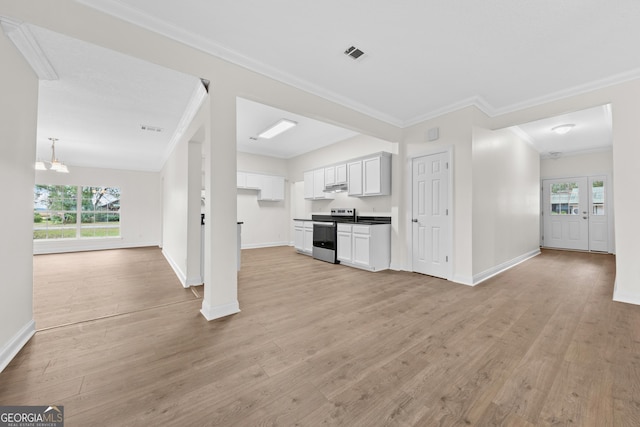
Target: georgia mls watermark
x,y
31,416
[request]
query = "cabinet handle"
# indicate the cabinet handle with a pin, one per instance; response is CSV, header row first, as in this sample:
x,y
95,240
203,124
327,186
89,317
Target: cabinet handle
x,y
414,220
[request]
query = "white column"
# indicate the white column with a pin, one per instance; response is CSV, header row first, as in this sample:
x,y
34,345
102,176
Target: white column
x,y
220,274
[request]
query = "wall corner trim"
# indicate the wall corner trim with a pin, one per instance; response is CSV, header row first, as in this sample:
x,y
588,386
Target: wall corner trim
x,y
625,298
216,312
11,348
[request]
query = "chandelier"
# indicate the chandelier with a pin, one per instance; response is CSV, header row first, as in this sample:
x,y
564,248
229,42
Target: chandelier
x,y
54,164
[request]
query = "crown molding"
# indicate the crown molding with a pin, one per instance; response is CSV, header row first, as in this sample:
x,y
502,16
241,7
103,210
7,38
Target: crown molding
x,y
569,92
129,14
140,19
24,40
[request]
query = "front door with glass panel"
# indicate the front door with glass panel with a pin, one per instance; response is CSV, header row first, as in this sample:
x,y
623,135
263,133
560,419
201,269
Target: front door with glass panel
x,y
574,214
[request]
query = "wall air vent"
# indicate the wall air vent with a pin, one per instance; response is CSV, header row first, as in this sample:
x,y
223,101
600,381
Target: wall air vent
x,y
354,52
151,128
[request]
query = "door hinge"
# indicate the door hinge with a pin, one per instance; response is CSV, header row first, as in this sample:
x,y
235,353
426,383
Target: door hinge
x,y
446,258
446,165
446,211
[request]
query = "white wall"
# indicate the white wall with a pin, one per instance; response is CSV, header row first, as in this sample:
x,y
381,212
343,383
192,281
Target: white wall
x,y
265,223
181,182
598,163
506,201
18,112
140,209
455,132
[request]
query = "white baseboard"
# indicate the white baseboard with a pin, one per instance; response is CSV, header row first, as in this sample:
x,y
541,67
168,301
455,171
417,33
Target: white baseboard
x,y
263,245
41,247
10,349
216,312
176,269
481,277
463,280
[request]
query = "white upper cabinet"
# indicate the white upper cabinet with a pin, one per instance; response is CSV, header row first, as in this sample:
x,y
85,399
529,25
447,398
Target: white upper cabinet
x,y
355,178
270,187
254,181
341,174
314,185
335,175
308,185
242,180
364,176
329,175
371,176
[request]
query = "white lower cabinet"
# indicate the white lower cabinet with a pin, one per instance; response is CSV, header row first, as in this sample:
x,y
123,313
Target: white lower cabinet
x,y
344,243
303,236
365,246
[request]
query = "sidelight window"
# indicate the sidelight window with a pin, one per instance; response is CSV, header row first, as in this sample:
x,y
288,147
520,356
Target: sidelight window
x,y
565,198
597,198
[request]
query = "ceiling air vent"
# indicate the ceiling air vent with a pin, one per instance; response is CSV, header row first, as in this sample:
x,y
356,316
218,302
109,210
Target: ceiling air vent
x,y
151,128
354,52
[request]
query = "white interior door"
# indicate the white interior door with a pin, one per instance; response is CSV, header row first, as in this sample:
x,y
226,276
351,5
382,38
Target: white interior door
x,y
565,204
430,209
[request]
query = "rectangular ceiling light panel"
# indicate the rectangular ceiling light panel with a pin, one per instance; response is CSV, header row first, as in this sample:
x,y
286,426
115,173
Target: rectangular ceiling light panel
x,y
281,126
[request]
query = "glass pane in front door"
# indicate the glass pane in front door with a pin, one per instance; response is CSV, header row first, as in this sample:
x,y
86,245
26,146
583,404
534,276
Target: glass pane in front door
x,y
564,198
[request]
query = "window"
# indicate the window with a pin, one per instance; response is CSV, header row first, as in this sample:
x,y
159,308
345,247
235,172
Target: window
x,y
565,199
72,212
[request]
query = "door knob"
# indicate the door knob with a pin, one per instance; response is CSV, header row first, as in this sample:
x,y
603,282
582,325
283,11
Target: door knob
x,y
414,220
585,217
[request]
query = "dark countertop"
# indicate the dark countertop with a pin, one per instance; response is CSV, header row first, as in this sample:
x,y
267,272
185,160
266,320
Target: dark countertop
x,y
364,220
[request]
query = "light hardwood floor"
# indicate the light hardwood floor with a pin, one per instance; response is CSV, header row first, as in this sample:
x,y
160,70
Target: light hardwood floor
x,y
321,344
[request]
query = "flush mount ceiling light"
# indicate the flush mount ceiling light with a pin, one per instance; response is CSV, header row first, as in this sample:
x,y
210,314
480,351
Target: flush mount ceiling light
x,y
54,164
281,126
562,129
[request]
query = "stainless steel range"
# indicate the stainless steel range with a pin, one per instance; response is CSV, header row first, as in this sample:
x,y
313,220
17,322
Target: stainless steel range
x,y
325,233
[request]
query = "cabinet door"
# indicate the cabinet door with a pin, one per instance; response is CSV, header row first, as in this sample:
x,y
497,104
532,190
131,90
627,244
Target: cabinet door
x,y
266,188
344,246
355,178
254,181
308,239
308,185
278,187
361,249
318,183
298,237
341,174
371,179
329,175
242,180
